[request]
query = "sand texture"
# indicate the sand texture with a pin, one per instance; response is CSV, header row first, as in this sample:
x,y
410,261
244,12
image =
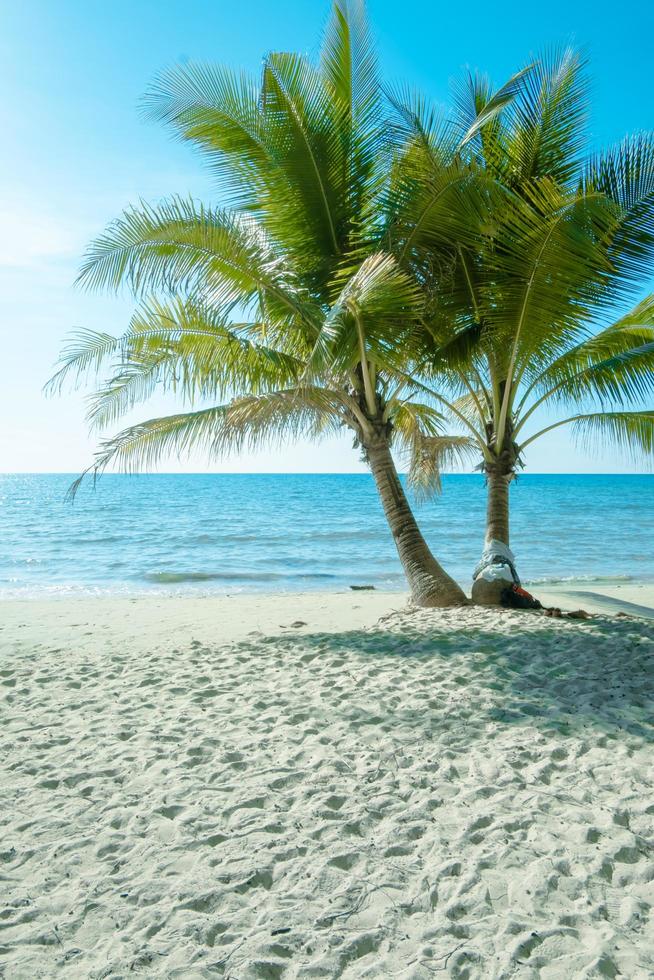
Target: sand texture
x,y
466,793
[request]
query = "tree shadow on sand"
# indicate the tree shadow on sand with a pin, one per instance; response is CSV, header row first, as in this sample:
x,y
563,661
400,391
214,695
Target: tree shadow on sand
x,y
559,676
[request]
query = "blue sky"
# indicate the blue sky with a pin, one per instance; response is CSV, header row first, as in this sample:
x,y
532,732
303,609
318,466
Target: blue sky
x,y
76,152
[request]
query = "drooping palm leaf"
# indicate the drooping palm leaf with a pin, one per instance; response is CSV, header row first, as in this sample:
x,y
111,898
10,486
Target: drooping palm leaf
x,y
190,350
632,433
625,175
419,435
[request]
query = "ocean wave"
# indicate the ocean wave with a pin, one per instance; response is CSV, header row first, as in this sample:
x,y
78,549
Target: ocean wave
x,y
169,578
233,538
100,539
67,590
261,538
571,579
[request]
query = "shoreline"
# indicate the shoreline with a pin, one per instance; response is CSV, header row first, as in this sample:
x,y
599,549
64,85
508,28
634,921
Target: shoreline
x,y
236,616
160,621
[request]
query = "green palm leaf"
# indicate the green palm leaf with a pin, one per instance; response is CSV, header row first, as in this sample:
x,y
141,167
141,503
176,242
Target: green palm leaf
x,y
348,63
219,111
419,433
85,353
625,175
616,364
377,307
632,433
191,351
182,247
250,422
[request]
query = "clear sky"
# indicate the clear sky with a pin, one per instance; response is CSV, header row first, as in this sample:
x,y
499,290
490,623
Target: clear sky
x,y
75,152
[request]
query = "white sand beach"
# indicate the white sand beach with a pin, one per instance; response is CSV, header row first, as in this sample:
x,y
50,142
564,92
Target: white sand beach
x,y
632,598
285,786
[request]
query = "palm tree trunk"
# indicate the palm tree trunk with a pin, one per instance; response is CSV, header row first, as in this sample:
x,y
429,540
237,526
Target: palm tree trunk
x,y
430,584
496,571
497,507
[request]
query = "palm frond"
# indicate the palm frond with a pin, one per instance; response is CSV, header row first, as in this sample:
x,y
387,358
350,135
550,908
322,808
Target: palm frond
x,y
479,108
421,131
219,110
349,63
632,433
546,121
191,350
181,247
84,353
551,272
470,405
616,364
279,150
418,430
376,306
299,122
250,422
625,175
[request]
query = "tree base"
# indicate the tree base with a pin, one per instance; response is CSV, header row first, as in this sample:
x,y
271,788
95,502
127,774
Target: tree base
x,y
441,600
488,593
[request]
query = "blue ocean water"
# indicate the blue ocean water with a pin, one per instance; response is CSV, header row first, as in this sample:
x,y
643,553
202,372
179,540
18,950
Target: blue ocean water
x,y
240,532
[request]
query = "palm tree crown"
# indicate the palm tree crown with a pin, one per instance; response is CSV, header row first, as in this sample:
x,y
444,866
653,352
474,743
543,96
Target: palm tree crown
x,y
285,311
565,238
392,275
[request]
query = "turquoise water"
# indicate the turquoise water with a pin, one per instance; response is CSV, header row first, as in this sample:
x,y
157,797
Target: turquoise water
x,y
233,533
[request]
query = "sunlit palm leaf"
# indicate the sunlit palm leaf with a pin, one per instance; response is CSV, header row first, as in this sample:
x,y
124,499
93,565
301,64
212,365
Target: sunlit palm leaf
x,y
626,176
428,452
250,422
632,433
84,353
179,246
377,306
191,351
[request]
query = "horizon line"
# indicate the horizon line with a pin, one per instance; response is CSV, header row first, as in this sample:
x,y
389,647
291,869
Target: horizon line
x,y
75,473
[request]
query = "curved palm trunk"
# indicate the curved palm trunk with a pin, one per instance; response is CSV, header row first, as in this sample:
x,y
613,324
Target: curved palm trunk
x,y
430,584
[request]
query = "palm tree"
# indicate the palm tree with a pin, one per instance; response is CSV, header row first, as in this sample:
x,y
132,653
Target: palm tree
x,y
567,237
283,314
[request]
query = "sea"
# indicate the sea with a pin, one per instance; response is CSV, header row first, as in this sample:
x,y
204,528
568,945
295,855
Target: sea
x,y
233,533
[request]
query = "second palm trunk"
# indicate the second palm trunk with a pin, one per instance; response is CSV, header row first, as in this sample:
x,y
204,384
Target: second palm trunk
x,y
496,570
429,582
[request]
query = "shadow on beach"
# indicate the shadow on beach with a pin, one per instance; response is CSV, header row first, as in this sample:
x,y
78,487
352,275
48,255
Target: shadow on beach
x,y
562,676
463,791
